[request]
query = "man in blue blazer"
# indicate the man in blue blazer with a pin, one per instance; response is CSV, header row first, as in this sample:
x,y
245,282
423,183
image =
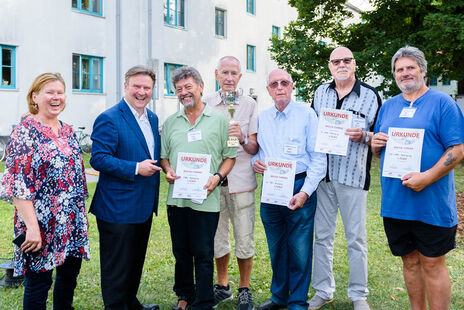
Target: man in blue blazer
x,y
126,151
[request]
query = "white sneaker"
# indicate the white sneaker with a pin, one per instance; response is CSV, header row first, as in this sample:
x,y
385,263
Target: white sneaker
x,y
318,302
361,305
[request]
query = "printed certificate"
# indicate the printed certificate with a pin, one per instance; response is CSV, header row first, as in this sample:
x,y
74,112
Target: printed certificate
x,y
278,181
331,137
403,152
193,170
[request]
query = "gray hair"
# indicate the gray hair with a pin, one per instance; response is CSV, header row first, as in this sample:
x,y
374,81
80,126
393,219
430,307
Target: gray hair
x,y
184,73
289,76
229,58
410,52
139,69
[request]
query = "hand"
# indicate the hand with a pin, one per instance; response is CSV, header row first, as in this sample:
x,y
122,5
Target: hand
x,y
236,131
213,181
297,201
171,176
147,167
259,166
356,135
416,181
33,241
379,140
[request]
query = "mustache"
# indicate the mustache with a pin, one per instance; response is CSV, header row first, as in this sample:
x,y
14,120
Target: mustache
x,y
186,96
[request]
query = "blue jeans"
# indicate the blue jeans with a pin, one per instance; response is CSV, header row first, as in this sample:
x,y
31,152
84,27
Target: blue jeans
x,y
290,240
38,283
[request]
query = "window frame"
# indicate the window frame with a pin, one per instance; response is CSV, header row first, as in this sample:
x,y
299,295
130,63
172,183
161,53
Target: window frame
x,y
251,68
80,9
276,31
167,79
251,7
166,11
216,24
433,81
91,74
12,66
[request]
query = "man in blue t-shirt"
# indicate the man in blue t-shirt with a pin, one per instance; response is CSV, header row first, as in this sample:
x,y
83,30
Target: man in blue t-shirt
x,y
419,209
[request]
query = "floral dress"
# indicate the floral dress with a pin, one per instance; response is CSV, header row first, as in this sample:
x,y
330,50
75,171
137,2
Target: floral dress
x,y
49,171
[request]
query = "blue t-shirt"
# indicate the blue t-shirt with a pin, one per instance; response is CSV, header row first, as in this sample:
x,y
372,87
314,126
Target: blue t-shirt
x,y
443,123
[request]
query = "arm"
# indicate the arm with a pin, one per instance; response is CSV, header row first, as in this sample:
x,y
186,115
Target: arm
x,y
417,181
379,141
224,169
359,135
171,175
252,145
33,240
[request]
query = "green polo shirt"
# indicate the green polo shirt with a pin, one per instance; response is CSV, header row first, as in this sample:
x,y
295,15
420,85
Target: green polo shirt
x,y
214,133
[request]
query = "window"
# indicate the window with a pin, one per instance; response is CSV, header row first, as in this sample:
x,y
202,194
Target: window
x,y
169,89
87,73
220,23
218,87
7,65
251,58
299,94
275,31
433,81
322,43
446,82
88,6
250,6
174,13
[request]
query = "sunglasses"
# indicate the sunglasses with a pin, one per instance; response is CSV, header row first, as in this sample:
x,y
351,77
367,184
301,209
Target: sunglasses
x,y
283,83
346,61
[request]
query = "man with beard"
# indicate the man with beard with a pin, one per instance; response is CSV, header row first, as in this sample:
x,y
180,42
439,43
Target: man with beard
x,y
237,193
195,129
288,131
419,210
346,183
125,149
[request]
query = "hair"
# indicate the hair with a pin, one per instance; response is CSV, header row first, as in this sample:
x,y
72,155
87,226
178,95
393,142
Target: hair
x,y
184,73
410,52
139,69
37,85
228,58
289,76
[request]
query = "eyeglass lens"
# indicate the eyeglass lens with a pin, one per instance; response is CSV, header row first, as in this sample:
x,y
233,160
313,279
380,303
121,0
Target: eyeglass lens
x,y
283,83
346,61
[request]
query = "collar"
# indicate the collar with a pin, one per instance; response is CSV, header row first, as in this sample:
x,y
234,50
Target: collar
x,y
356,87
136,114
286,111
206,111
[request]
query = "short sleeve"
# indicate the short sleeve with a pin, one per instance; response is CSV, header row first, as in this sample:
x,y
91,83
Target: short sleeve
x,y
451,124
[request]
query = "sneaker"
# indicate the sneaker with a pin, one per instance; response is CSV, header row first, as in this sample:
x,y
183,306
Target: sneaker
x,y
318,302
245,300
361,305
222,293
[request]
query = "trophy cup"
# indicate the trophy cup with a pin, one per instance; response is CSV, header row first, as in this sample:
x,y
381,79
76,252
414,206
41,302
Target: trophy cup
x,y
229,98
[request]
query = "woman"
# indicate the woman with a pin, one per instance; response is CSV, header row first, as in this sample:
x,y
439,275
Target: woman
x,y
44,175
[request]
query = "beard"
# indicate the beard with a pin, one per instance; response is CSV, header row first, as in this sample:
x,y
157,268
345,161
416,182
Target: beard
x,y
407,89
187,104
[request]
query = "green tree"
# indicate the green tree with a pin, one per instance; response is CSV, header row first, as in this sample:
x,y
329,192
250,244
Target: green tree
x,y
436,27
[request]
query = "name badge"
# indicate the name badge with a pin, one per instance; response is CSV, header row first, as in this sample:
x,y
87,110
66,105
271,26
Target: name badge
x,y
194,135
290,148
408,112
358,122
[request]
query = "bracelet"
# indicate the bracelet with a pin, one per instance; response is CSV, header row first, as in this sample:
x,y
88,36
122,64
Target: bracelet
x,y
221,178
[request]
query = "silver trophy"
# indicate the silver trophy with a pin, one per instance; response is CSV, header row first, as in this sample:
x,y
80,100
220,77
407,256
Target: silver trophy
x,y
230,98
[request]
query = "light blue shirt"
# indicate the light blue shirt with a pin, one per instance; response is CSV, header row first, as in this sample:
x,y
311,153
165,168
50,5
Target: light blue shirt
x,y
295,126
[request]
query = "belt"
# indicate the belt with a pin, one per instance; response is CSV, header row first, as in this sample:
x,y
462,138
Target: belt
x,y
300,175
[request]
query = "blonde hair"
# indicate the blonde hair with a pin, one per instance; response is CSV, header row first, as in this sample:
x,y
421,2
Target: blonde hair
x,y
37,85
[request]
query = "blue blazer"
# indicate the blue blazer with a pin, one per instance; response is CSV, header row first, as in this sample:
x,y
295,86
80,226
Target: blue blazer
x,y
118,144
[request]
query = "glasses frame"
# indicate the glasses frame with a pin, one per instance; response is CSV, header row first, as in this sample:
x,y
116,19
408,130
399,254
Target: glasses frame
x,y
346,61
283,83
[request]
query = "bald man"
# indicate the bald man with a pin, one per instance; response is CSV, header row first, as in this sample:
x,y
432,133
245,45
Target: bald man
x,y
346,183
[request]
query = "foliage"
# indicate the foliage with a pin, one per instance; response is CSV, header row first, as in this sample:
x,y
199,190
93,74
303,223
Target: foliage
x,y
434,26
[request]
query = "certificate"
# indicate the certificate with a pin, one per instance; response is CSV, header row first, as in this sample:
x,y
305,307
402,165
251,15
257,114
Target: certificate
x,y
403,152
278,181
331,137
193,170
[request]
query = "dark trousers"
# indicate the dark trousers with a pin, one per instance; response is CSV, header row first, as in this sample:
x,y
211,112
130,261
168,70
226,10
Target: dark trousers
x,y
122,254
37,285
192,235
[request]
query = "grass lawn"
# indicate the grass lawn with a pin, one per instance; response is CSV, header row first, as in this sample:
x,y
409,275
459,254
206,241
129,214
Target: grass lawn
x,y
385,272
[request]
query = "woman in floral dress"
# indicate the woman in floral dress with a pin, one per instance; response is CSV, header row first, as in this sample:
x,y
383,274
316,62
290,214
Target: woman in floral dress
x,y
44,176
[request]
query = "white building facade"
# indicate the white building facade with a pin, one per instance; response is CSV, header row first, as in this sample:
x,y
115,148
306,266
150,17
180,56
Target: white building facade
x,y
92,43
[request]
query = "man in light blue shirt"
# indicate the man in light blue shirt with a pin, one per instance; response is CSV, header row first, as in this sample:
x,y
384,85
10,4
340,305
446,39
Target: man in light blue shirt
x,y
288,131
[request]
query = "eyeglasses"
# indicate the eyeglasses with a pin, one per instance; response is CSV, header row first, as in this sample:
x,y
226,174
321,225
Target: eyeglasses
x,y
283,83
346,61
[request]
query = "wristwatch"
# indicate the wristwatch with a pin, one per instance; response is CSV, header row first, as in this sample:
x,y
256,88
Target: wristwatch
x,y
221,178
368,138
